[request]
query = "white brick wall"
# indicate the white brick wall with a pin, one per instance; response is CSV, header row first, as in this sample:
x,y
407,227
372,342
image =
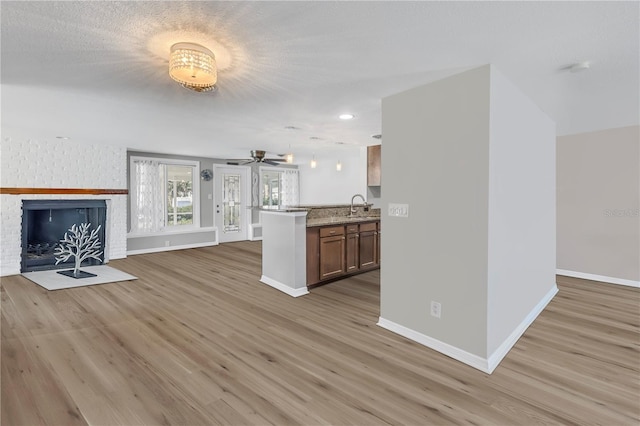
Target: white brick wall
x,y
60,164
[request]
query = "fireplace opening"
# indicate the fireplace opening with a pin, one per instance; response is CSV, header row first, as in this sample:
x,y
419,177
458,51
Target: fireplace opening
x,y
44,223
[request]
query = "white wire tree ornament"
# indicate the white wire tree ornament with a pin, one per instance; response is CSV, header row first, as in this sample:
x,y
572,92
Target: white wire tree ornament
x,y
80,244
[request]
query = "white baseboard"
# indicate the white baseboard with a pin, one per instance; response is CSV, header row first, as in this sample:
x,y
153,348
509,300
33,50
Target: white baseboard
x,y
293,292
486,365
7,272
171,248
602,278
468,358
510,341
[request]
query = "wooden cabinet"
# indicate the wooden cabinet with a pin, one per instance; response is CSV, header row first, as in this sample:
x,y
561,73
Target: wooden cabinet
x,y
336,251
352,251
332,259
313,256
378,242
374,165
368,245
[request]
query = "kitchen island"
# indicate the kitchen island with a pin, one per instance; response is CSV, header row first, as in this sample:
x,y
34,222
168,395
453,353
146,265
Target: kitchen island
x,y
307,246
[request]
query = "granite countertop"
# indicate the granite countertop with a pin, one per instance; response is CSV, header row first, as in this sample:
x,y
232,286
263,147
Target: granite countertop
x,y
339,220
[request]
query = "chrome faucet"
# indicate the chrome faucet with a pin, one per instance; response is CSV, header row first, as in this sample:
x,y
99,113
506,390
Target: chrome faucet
x,y
353,210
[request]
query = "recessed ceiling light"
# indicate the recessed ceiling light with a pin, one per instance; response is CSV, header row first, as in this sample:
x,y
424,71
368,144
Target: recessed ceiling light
x,y
346,116
63,137
292,128
315,138
376,136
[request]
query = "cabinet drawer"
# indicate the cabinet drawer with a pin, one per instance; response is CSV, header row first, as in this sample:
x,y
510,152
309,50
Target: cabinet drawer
x,y
331,231
352,229
371,226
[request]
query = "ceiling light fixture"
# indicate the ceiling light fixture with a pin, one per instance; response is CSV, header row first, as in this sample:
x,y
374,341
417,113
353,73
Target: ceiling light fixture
x,y
193,66
339,166
314,163
346,116
289,157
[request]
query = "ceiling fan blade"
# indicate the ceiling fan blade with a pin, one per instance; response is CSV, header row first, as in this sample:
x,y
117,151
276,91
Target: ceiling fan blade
x,y
271,162
239,162
281,160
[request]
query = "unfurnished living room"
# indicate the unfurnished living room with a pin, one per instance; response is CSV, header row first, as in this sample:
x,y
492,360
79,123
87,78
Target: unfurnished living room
x,y
321,212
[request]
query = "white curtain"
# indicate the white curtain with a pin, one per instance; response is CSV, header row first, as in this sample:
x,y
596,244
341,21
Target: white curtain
x,y
290,188
147,206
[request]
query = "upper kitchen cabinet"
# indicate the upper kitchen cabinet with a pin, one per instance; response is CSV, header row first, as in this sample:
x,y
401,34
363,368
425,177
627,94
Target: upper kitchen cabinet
x,y
373,165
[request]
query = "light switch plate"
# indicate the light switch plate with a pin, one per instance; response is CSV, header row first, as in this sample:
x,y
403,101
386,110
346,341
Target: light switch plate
x,y
398,210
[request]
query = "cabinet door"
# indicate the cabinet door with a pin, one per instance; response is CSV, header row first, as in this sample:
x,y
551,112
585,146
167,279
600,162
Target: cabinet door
x,y
373,165
368,249
332,255
378,257
352,252
313,256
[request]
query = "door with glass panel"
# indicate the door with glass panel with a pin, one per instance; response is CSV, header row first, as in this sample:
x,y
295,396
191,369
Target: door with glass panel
x,y
231,203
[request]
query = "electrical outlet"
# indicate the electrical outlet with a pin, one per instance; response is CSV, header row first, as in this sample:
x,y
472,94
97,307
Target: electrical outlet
x,y
436,309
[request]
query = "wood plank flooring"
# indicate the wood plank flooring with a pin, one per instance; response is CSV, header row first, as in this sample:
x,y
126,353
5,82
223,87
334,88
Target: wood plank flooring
x,y
198,340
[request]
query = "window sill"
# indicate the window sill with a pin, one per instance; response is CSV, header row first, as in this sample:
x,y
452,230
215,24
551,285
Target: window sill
x,y
189,230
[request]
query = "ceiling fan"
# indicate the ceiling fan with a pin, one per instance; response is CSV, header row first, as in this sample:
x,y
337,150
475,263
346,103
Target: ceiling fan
x,y
258,156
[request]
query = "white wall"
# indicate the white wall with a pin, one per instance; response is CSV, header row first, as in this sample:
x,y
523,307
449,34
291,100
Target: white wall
x,y
59,164
435,159
474,160
599,204
325,185
522,222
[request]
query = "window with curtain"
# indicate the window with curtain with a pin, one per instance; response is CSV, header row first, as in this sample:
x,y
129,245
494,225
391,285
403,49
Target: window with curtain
x,y
164,195
279,187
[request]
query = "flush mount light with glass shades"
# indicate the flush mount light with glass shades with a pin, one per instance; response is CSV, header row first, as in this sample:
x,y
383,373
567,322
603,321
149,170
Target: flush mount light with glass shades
x,y
193,66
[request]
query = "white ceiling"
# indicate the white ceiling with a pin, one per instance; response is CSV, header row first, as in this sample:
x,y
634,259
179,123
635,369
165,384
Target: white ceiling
x,y
97,71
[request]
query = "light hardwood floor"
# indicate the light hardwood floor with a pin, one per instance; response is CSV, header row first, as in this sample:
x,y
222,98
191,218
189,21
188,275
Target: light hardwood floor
x,y
198,340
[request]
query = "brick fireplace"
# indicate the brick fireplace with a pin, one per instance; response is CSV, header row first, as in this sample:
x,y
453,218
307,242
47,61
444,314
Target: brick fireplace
x,y
54,170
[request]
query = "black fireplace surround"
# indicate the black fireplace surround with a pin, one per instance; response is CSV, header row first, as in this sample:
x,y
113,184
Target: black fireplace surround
x,y
44,223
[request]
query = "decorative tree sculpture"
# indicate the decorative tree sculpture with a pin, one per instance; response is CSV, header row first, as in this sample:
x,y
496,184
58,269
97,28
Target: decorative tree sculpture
x,y
79,244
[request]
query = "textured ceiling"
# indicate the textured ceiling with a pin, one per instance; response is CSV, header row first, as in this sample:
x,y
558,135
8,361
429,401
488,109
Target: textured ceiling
x,y
97,71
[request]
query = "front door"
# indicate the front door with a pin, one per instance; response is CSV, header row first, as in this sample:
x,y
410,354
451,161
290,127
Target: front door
x,y
231,206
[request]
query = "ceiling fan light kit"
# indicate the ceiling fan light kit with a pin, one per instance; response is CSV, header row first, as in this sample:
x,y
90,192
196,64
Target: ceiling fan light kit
x,y
193,66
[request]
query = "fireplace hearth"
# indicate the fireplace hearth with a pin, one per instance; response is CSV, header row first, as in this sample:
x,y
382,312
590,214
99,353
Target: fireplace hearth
x,y
44,223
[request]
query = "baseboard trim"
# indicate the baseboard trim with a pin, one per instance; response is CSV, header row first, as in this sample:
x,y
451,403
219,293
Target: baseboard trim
x,y
293,292
602,278
458,354
486,365
171,248
502,350
7,272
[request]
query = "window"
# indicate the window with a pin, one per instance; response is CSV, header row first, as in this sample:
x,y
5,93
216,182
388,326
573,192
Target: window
x,y
179,195
164,194
279,187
